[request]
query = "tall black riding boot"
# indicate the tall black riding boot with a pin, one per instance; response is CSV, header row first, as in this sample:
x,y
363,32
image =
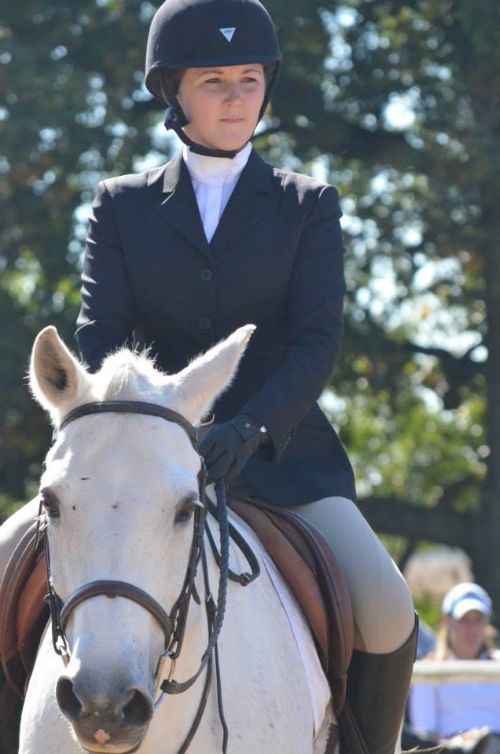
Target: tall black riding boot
x,y
377,690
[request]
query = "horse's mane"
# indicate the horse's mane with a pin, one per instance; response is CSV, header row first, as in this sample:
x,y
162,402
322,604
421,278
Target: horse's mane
x,y
129,375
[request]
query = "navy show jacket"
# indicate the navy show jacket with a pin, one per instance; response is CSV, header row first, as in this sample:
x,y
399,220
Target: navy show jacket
x,y
276,260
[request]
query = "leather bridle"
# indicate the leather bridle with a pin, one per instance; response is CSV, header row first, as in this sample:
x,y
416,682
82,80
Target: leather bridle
x,y
174,623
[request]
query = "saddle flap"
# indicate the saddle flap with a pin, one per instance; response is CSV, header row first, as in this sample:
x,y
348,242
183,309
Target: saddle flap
x,y
22,610
31,614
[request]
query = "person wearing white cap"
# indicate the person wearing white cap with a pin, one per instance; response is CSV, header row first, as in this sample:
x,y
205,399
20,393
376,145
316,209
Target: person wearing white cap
x,y
458,714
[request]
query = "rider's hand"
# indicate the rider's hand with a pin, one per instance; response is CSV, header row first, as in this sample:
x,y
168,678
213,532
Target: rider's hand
x,y
227,447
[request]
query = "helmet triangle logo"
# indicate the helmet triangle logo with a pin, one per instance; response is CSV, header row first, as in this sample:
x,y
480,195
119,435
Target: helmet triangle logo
x,y
228,32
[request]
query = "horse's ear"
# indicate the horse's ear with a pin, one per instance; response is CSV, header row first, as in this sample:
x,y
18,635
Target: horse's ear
x,y
206,377
57,380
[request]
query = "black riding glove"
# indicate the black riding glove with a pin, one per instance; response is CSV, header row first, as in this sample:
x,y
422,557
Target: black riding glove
x,y
227,447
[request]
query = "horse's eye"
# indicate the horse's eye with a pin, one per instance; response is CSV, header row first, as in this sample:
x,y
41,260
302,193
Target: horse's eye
x,y
50,504
185,512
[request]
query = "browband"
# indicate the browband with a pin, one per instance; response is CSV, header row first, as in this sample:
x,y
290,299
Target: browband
x,y
131,407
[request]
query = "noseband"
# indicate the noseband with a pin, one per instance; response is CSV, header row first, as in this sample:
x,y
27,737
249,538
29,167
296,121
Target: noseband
x,y
173,624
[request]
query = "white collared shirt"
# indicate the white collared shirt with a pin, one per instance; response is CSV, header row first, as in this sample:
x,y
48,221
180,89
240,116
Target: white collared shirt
x,y
214,179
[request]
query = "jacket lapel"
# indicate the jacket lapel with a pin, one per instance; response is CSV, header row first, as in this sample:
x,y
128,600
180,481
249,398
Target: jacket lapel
x,y
178,206
249,200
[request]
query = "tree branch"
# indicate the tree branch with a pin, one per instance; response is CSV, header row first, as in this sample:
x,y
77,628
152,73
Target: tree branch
x,y
453,489
410,548
457,368
395,516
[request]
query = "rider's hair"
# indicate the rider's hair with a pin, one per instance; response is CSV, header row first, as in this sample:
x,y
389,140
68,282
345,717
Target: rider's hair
x,y
170,83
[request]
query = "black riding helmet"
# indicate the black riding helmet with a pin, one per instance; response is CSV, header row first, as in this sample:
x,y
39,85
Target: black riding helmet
x,y
202,33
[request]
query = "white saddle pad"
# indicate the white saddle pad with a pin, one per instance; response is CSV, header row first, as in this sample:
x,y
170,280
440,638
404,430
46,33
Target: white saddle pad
x,y
317,684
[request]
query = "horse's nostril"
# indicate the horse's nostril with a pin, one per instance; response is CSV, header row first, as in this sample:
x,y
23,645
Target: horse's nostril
x,y
133,709
138,710
67,700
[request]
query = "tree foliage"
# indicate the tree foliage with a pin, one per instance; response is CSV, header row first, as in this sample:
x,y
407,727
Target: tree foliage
x,y
393,102
414,83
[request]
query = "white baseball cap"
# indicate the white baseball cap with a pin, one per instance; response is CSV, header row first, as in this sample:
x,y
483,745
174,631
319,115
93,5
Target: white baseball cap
x,y
462,598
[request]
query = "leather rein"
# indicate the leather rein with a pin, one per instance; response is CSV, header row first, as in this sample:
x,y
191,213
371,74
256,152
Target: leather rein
x,y
174,623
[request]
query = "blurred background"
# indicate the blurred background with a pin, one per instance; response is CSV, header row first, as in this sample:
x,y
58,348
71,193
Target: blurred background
x,y
395,103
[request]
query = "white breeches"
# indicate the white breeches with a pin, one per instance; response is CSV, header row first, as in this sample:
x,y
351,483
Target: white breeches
x,y
381,601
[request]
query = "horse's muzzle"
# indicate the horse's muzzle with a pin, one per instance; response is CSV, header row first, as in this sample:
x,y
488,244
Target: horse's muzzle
x,y
111,722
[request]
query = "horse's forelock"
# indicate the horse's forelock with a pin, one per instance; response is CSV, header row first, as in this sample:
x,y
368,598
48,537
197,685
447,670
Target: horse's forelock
x,y
129,375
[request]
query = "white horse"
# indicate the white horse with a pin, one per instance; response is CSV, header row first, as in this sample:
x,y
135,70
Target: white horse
x,y
119,493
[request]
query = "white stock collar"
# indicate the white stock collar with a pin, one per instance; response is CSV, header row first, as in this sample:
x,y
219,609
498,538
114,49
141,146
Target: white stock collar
x,y
215,171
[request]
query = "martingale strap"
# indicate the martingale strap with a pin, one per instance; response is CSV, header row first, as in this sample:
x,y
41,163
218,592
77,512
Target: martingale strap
x,y
246,577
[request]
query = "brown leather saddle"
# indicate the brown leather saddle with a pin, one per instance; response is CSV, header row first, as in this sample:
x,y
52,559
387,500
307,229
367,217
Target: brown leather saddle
x,y
23,612
311,571
304,559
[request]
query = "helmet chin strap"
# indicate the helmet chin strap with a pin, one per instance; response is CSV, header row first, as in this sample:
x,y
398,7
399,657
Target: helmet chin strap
x,y
175,120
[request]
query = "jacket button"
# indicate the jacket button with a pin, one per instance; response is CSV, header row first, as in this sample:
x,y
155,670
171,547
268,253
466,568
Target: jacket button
x,y
206,274
205,323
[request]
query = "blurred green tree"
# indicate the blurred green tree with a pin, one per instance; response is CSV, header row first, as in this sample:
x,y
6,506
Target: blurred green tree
x,y
413,138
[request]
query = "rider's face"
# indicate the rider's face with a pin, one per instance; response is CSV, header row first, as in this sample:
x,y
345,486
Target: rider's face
x,y
222,104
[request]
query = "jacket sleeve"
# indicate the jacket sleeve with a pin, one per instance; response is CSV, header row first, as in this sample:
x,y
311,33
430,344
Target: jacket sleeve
x,y
107,314
314,326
